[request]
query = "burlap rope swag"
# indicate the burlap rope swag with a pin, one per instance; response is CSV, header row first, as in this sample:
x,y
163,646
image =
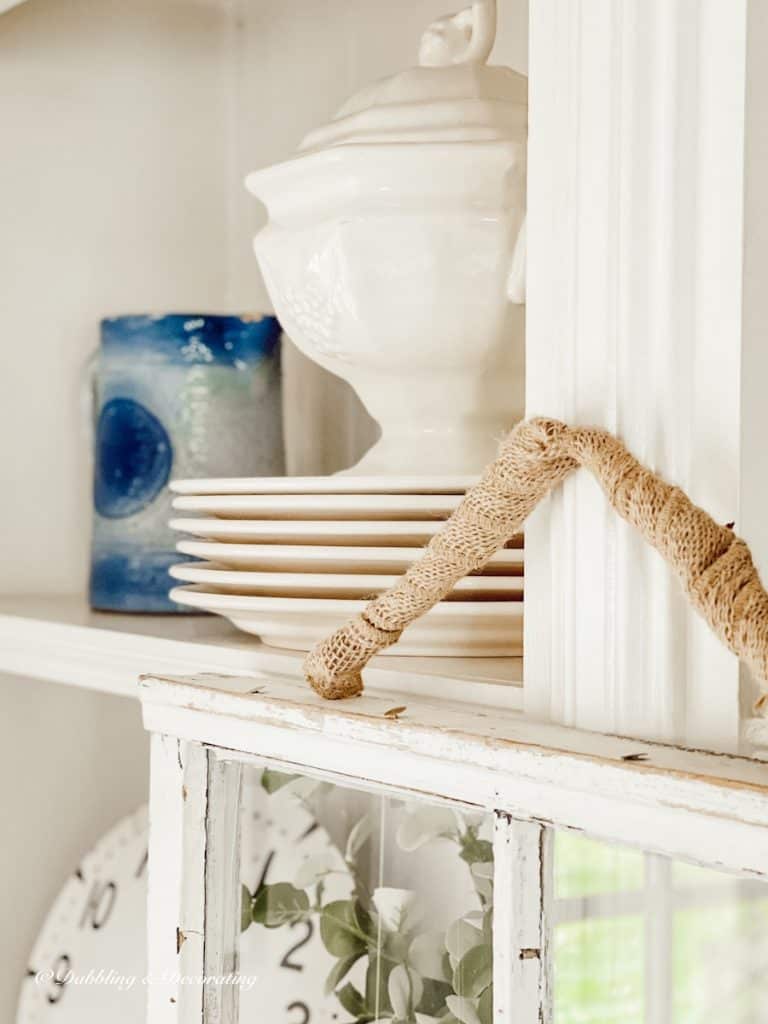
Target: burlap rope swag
x,y
714,566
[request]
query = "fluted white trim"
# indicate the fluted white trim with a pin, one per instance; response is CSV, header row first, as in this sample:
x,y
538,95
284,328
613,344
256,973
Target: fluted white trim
x,y
635,323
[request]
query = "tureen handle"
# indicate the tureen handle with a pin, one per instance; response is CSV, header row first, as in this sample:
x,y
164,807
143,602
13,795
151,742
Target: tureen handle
x,y
463,38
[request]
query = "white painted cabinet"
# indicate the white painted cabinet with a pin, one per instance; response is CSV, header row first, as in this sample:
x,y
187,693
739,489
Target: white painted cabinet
x,y
127,129
349,862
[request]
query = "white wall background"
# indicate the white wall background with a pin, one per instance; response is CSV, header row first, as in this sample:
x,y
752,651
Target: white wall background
x,y
126,128
113,132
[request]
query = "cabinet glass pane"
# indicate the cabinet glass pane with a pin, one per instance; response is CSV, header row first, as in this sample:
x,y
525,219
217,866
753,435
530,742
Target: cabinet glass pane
x,y
640,939
360,907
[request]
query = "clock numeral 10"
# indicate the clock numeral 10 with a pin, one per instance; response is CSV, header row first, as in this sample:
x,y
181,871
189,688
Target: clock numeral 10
x,y
99,905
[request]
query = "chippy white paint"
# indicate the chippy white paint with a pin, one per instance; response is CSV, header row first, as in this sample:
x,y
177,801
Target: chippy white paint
x,y
636,322
710,809
176,898
222,889
523,859
702,807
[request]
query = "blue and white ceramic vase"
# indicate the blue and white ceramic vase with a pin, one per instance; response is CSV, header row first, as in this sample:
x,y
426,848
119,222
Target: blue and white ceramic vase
x,y
175,396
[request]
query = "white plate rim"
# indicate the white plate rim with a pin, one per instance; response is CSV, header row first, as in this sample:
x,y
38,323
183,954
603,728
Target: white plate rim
x,y
219,575
194,595
333,506
320,553
330,485
331,526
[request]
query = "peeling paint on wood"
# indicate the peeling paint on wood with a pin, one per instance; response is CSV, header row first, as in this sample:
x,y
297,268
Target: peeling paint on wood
x,y
523,882
395,712
701,807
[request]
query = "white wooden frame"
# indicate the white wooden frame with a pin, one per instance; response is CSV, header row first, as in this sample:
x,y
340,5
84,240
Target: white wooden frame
x,y
705,808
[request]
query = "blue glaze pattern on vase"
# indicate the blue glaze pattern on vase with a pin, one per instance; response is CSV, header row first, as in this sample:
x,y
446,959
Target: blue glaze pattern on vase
x,y
181,395
133,458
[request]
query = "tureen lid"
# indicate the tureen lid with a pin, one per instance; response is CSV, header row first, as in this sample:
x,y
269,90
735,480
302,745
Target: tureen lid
x,y
452,96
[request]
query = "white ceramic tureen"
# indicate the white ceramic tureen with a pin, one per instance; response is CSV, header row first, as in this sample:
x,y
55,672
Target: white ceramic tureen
x,y
392,252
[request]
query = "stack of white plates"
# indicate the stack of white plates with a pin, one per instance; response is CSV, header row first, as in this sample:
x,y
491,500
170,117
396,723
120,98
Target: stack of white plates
x,y
291,558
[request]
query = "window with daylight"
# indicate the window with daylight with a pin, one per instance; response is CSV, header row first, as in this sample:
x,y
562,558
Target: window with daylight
x,y
639,937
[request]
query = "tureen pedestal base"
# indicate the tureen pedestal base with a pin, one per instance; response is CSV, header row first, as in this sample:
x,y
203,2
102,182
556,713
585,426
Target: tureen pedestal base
x,y
432,452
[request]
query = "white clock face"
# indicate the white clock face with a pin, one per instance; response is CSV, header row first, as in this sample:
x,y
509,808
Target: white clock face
x,y
285,968
89,959
353,905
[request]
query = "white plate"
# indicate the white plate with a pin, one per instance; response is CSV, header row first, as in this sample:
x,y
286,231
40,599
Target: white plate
x,y
321,506
328,532
326,485
450,629
318,558
347,586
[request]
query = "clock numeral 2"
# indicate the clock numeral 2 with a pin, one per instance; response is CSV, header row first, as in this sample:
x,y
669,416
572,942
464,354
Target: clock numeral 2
x,y
99,905
59,980
286,961
303,1008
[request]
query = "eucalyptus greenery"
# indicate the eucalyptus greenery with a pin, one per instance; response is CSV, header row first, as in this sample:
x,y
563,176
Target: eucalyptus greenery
x,y
411,975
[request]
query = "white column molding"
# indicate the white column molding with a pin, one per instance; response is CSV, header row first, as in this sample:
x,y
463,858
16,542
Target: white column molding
x,y
643,317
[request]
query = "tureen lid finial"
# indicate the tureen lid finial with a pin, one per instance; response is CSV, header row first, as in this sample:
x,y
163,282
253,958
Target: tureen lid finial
x,y
453,96
463,38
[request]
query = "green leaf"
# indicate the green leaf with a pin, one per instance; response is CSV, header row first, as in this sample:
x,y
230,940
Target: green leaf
x,y
474,972
432,1001
405,989
272,780
425,954
276,905
377,986
246,908
474,850
352,1000
482,877
462,936
485,1006
463,1009
340,970
365,921
340,928
447,969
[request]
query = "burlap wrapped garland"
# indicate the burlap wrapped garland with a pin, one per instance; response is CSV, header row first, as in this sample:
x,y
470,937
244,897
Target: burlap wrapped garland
x,y
713,565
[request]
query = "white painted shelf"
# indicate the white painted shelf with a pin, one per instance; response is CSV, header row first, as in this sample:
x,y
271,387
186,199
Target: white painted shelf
x,y
60,639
